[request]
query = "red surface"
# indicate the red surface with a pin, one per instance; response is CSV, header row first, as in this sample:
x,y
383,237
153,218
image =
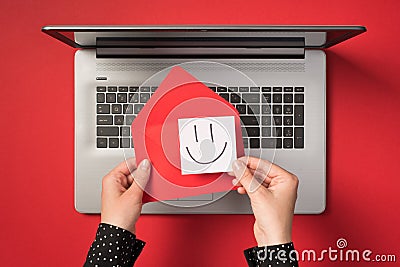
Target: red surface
x,y
39,226
155,135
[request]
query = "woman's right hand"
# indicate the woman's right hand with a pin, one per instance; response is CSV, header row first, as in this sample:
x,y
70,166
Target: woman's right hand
x,y
272,192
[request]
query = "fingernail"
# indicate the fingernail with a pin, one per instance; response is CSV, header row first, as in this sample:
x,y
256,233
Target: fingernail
x,y
145,164
234,181
237,165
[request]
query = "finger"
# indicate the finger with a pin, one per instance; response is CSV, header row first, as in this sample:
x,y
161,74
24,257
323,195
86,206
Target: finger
x,y
130,179
261,177
141,177
125,167
264,166
242,174
241,190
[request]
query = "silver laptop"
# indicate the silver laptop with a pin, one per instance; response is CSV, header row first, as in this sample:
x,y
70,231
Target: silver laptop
x,y
282,109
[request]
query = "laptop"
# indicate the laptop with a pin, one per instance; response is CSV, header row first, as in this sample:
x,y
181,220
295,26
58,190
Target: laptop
x,y
282,109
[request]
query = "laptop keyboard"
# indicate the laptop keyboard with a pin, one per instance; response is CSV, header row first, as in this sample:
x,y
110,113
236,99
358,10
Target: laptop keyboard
x,y
272,117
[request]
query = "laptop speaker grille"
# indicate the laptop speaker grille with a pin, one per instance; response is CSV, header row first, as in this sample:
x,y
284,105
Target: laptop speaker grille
x,y
155,66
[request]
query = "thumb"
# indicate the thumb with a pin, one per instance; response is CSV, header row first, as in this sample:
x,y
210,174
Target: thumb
x,y
140,178
243,174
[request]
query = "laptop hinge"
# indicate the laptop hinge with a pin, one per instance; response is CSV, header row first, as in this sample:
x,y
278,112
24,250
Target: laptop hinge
x,y
195,47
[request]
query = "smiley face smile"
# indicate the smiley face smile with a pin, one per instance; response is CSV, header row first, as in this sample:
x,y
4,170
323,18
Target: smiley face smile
x,y
207,147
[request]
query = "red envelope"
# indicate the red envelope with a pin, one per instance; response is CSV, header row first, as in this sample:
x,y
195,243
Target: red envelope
x,y
155,136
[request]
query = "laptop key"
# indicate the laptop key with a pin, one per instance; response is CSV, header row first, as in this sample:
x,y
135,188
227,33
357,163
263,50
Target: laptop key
x,y
101,89
299,115
123,88
278,143
246,142
287,109
255,89
145,89
110,98
221,89
104,120
266,89
277,98
287,143
288,89
130,119
253,109
241,109
133,89
287,131
112,89
101,142
266,131
125,131
137,108
243,89
153,88
249,120
225,96
243,129
277,109
116,108
265,109
127,109
101,98
212,88
288,120
299,98
113,143
125,142
233,89
133,97
254,142
298,137
122,98
277,89
251,98
119,120
144,97
107,131
271,143
266,120
266,98
268,142
277,131
103,109
288,98
299,89
277,120
235,98
253,131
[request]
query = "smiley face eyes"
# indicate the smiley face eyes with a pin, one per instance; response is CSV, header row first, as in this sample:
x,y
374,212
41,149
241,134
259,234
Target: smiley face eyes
x,y
211,133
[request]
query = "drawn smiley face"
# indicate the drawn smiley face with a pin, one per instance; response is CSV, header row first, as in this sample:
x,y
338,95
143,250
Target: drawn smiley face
x,y
206,144
207,148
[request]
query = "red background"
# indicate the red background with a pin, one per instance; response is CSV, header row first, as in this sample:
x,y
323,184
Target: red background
x,y
39,226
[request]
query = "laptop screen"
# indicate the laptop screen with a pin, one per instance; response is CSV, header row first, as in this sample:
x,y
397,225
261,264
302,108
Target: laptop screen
x,y
317,37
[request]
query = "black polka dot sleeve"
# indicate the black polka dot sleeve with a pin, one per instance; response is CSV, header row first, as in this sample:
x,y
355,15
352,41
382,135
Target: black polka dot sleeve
x,y
282,255
113,247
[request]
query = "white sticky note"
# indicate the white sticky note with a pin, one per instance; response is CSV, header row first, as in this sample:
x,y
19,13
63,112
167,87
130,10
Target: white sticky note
x,y
207,145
